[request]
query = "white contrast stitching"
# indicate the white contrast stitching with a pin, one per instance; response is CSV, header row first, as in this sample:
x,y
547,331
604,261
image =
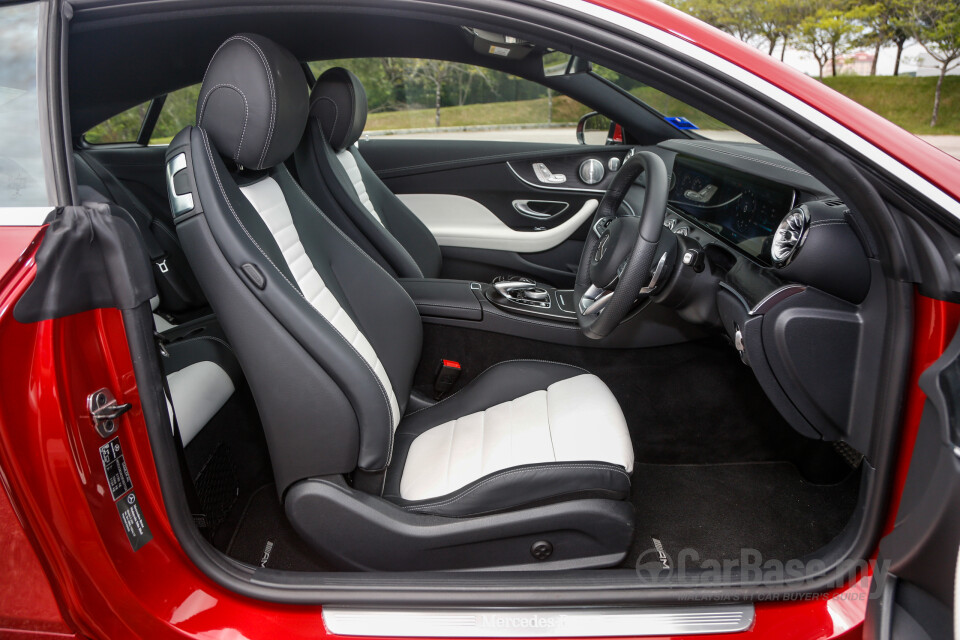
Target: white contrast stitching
x,y
246,116
223,192
742,157
336,112
273,96
445,306
502,474
479,375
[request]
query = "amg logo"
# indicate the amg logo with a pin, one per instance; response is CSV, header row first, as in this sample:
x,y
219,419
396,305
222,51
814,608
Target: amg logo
x,y
660,552
267,549
522,621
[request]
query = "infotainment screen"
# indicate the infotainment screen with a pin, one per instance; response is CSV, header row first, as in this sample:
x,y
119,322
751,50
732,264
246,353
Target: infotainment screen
x,y
740,208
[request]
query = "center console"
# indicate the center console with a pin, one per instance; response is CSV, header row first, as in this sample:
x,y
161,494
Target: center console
x,y
535,311
532,299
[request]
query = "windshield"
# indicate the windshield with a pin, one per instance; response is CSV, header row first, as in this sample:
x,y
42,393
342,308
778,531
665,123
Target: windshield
x,y
678,113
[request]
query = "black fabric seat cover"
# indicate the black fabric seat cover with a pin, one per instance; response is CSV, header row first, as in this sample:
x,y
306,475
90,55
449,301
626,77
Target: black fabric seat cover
x,y
328,340
393,235
178,288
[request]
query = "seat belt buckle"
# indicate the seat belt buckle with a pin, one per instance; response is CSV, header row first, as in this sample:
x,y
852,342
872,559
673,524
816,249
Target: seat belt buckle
x,y
447,375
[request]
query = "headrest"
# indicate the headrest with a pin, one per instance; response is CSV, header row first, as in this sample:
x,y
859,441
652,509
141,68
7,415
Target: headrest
x,y
339,103
253,101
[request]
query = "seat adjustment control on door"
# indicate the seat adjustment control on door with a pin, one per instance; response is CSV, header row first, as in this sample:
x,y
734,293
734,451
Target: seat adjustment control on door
x,y
104,409
547,176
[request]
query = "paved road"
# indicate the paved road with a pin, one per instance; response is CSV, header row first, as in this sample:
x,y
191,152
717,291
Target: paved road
x,y
950,144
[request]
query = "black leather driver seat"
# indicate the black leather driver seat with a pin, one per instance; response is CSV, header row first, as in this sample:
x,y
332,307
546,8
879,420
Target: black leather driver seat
x,y
529,453
336,177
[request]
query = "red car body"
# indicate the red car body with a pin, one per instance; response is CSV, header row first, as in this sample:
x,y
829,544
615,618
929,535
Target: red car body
x,y
63,574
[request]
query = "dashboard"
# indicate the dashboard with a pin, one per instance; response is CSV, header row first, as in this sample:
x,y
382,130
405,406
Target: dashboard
x,y
742,209
766,253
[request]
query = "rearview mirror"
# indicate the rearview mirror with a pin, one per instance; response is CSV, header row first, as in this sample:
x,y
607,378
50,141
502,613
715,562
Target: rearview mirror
x,y
558,63
596,129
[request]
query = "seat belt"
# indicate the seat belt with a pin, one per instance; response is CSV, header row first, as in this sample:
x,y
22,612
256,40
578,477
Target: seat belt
x,y
193,499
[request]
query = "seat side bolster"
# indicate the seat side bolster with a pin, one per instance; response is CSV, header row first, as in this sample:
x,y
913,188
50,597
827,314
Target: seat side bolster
x,y
326,182
405,226
526,486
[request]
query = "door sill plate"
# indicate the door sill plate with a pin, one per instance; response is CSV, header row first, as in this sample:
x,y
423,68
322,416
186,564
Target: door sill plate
x,y
537,623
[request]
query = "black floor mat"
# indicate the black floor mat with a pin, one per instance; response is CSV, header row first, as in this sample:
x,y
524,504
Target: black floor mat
x,y
691,403
718,510
264,537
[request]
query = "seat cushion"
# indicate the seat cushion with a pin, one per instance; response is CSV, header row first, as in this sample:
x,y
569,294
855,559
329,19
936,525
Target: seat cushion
x,y
523,432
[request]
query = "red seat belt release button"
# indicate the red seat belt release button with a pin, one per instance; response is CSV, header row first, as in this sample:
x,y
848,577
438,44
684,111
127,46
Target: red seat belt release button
x,y
447,374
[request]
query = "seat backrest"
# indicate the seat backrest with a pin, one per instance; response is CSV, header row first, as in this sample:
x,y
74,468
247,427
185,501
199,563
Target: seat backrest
x,y
334,173
179,291
327,340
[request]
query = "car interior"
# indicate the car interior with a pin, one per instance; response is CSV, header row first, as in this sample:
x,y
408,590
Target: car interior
x,y
430,354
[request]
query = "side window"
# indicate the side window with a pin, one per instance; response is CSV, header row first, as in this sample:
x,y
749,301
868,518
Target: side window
x,y
179,110
22,178
123,127
416,98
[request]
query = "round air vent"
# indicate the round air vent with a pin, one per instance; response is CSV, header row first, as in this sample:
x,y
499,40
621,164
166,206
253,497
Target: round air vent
x,y
789,236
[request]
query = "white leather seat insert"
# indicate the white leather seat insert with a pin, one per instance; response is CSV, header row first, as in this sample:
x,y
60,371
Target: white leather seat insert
x,y
356,178
576,419
268,199
198,391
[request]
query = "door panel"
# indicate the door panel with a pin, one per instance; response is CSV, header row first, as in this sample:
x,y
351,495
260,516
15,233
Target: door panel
x,y
917,561
523,207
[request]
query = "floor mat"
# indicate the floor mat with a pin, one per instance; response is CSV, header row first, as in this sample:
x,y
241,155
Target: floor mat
x,y
264,537
691,403
717,510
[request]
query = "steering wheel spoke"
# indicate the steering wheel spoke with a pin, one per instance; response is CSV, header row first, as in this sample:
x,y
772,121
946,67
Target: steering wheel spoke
x,y
617,265
594,300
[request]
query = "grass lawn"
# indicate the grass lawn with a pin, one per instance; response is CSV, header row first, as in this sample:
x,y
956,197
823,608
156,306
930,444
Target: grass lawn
x,y
565,110
905,101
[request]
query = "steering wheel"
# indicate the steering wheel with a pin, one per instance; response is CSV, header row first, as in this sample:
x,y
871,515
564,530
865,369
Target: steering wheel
x,y
617,267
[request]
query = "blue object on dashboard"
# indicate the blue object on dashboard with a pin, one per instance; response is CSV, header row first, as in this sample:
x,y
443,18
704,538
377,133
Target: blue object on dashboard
x,y
680,123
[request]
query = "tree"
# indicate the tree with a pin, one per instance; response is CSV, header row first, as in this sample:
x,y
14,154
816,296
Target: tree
x,y
827,34
882,23
396,71
437,73
936,26
777,21
739,19
464,76
875,20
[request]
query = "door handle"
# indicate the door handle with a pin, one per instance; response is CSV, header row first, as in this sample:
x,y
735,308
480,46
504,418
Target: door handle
x,y
540,209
